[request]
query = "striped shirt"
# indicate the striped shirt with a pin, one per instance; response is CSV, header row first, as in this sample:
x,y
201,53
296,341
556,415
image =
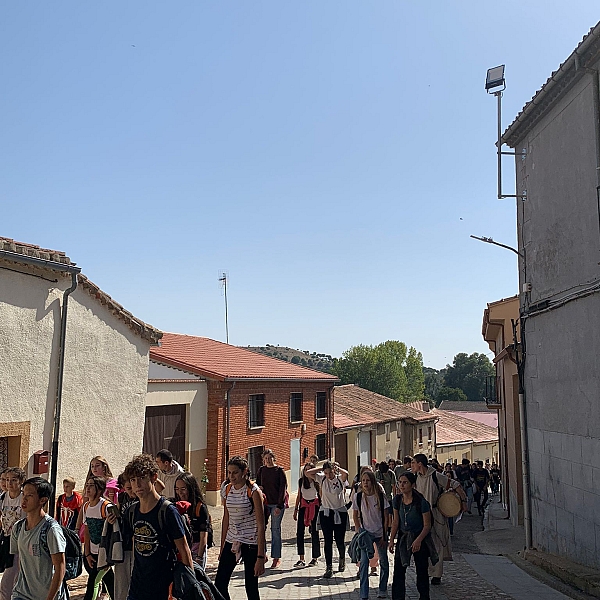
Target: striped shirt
x,y
242,517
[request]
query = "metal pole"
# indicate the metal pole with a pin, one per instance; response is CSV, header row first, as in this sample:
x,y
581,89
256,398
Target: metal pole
x,y
223,278
499,143
523,428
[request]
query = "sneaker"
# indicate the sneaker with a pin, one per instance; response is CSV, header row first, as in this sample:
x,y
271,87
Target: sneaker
x,y
300,564
342,565
313,562
436,580
373,572
382,594
328,572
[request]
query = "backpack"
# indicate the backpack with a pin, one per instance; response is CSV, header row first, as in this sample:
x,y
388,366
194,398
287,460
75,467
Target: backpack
x,y
73,554
162,517
209,527
387,480
359,496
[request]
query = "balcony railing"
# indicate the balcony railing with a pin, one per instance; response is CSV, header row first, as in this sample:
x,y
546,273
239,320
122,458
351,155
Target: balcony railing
x,y
492,392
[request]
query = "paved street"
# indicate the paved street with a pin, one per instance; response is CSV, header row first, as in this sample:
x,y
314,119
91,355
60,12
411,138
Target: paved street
x,y
470,575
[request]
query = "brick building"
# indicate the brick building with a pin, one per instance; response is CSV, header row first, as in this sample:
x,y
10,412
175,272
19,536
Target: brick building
x,y
234,401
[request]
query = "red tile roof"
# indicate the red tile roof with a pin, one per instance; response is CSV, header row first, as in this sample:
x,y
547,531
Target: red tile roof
x,y
216,360
455,429
354,406
144,330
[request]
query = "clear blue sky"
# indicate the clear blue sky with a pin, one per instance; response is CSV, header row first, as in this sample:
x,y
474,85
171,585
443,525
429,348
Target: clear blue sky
x,y
321,152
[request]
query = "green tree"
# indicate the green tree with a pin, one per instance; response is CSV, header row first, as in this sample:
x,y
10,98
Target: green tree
x,y
415,378
451,395
387,369
434,381
468,373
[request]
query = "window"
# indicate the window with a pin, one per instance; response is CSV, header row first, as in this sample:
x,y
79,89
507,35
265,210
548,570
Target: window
x,y
295,407
429,433
387,432
256,410
321,405
421,435
321,446
255,459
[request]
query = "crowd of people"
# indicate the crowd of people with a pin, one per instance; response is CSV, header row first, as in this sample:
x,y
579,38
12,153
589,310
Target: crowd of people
x,y
140,531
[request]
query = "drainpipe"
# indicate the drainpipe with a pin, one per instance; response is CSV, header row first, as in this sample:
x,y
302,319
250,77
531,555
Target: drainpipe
x,y
524,441
59,389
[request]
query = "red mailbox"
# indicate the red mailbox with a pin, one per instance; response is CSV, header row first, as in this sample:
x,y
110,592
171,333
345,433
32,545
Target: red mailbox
x,y
41,458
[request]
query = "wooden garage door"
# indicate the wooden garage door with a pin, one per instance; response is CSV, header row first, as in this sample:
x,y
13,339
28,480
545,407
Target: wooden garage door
x,y
165,428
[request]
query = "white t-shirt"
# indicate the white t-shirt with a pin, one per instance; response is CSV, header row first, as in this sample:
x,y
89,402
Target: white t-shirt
x,y
242,516
10,509
94,519
371,512
332,491
308,493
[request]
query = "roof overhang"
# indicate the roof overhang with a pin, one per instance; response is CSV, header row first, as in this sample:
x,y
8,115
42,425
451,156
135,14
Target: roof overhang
x,y
563,79
169,362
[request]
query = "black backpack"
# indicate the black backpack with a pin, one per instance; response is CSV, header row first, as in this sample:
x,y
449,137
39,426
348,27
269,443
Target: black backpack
x,y
381,506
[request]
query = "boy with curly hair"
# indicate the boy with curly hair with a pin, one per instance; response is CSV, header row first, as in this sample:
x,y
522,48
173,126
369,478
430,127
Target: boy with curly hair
x,y
155,540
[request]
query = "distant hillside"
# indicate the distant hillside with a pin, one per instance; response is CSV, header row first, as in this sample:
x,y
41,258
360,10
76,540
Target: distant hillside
x,y
304,358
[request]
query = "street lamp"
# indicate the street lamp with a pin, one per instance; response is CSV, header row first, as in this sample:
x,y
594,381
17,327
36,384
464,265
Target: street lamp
x,y
495,84
494,79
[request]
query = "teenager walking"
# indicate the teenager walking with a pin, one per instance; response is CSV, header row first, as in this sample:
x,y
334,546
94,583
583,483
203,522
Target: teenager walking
x,y
242,529
272,481
188,490
412,523
370,513
10,511
42,558
306,512
158,533
95,511
333,514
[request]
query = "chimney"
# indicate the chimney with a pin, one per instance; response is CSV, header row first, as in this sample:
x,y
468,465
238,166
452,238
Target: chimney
x,y
425,406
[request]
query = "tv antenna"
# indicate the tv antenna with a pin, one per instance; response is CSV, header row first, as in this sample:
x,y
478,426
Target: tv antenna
x,y
223,281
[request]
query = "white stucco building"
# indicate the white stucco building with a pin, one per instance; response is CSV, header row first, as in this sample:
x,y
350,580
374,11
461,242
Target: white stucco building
x,y
105,368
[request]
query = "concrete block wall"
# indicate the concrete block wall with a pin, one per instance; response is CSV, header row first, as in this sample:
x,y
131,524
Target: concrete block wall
x,y
562,396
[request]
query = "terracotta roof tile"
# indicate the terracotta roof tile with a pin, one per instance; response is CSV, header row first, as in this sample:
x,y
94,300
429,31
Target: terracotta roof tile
x,y
217,360
138,326
464,406
454,429
355,406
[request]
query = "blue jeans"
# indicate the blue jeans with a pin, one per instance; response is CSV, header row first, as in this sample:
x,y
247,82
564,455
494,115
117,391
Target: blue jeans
x,y
384,569
275,528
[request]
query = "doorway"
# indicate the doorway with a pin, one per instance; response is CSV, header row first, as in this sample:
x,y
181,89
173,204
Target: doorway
x,y
294,464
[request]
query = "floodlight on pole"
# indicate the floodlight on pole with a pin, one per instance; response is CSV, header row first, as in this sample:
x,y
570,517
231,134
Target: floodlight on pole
x,y
495,78
495,84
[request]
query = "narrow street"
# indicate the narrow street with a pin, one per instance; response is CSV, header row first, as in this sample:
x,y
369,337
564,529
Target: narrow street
x,y
470,575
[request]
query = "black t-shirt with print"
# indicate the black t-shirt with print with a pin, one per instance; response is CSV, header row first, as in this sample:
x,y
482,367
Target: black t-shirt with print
x,y
153,552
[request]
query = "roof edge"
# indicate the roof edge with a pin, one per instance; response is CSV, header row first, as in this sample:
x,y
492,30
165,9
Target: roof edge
x,y
567,74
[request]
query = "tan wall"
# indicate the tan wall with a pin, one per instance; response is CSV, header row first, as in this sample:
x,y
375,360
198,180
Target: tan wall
x,y
105,375
455,452
499,335
195,397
